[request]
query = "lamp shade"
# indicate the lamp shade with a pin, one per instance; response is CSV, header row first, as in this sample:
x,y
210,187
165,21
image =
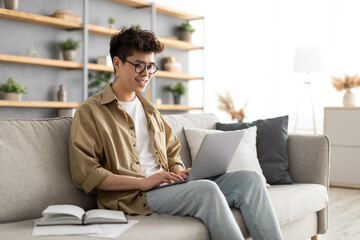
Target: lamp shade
x,y
308,59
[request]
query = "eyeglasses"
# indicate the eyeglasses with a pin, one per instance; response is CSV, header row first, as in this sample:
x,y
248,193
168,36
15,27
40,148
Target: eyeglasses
x,y
140,67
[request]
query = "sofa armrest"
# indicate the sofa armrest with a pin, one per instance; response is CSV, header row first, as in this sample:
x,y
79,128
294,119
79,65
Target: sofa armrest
x,y
309,157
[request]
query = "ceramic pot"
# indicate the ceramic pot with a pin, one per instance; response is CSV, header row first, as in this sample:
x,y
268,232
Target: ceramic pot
x,y
13,96
69,55
12,4
349,99
177,98
185,36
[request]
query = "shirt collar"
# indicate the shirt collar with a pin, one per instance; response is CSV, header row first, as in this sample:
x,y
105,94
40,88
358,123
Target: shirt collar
x,y
109,96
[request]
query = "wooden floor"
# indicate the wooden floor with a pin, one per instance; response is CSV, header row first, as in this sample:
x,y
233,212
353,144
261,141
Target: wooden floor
x,y
344,215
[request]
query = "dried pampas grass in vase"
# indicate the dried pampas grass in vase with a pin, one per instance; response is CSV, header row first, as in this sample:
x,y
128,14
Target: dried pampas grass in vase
x,y
347,83
227,104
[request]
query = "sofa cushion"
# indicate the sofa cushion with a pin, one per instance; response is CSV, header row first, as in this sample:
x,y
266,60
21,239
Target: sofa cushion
x,y
245,157
292,202
272,146
35,168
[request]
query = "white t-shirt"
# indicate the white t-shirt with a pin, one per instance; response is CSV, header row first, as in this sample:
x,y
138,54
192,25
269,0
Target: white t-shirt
x,y
147,158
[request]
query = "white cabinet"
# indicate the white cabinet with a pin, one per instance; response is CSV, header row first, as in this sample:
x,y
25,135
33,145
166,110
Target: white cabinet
x,y
342,126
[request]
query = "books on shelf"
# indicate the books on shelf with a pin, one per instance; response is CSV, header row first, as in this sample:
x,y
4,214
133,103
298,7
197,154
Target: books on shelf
x,y
74,215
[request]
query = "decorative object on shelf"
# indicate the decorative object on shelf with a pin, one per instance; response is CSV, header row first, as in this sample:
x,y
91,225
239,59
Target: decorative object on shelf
x,y
307,60
62,94
98,81
347,83
158,102
69,47
185,31
177,92
170,64
12,4
66,14
105,60
349,99
12,89
111,22
31,52
227,104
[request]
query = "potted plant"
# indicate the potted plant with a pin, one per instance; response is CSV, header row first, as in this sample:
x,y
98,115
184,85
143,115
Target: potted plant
x,y
111,22
185,31
12,89
347,83
177,92
98,81
69,47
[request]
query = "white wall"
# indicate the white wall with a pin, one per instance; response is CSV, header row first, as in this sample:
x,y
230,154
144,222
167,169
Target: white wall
x,y
257,40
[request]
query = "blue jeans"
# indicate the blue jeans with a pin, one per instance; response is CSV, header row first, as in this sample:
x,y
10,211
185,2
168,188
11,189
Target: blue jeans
x,y
209,200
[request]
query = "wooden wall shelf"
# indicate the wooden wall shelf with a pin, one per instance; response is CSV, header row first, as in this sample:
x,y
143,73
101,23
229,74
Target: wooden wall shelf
x,y
161,9
159,73
174,75
100,30
176,107
39,19
167,41
40,61
55,104
174,43
38,104
77,65
93,29
134,3
31,18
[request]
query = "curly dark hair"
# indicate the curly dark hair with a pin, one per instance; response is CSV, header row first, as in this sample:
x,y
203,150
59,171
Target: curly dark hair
x,y
128,40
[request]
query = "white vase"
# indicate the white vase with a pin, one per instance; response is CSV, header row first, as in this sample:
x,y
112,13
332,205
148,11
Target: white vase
x,y
349,99
13,96
12,4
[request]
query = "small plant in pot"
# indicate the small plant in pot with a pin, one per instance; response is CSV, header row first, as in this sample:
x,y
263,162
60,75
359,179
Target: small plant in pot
x,y
12,89
185,31
68,48
98,81
111,22
178,90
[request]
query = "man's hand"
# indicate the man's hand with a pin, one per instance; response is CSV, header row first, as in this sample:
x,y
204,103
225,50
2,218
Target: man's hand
x,y
183,173
159,178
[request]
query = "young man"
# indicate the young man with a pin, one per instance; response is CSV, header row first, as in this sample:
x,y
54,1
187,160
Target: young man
x,y
121,148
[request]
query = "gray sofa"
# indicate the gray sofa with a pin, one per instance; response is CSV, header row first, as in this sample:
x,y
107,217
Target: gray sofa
x,y
34,173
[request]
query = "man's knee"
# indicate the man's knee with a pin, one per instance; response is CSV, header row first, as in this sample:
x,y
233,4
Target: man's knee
x,y
206,187
249,176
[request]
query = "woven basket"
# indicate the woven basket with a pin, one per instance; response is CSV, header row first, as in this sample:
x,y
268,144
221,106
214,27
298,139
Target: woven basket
x,y
66,15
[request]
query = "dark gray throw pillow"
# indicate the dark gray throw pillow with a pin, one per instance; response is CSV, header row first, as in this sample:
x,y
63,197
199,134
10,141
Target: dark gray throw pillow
x,y
271,146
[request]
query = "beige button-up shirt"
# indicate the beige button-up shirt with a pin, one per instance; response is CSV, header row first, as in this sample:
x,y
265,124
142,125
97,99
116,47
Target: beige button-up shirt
x,y
103,141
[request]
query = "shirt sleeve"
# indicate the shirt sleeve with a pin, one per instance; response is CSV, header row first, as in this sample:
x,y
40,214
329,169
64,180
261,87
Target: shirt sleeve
x,y
86,153
172,147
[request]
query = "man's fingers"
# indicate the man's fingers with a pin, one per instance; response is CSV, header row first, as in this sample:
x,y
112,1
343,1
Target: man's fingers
x,y
175,177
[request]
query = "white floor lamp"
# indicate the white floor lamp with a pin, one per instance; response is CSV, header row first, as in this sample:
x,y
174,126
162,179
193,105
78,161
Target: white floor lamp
x,y
307,60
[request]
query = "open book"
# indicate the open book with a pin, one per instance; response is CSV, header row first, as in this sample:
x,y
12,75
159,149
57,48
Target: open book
x,y
74,215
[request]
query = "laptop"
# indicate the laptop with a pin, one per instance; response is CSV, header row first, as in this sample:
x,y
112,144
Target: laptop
x,y
214,156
